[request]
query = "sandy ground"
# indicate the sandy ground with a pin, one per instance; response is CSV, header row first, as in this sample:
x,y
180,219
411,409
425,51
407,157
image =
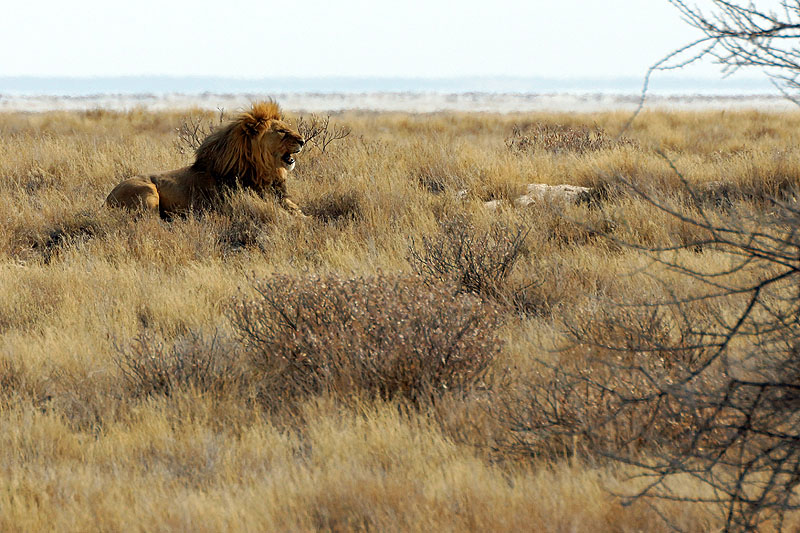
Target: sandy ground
x,y
408,102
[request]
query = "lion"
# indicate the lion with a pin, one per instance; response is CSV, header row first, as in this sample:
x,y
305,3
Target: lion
x,y
254,151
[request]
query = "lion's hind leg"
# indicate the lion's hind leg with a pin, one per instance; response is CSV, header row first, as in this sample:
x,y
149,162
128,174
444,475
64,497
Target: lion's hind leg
x,y
135,193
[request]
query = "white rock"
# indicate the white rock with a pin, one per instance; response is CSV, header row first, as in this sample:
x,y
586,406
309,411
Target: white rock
x,y
493,205
539,192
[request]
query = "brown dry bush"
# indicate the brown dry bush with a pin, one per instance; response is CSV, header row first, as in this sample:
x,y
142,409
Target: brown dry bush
x,y
562,138
193,129
478,262
604,395
381,336
152,366
320,133
696,379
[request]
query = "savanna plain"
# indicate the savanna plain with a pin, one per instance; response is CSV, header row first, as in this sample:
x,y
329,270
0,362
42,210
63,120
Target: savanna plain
x,y
385,364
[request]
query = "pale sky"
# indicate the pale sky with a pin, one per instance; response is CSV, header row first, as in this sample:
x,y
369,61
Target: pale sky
x,y
310,38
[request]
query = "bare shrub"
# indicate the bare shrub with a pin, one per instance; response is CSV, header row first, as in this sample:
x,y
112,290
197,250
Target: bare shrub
x,y
707,382
561,138
739,35
382,336
478,262
150,366
193,130
585,401
319,133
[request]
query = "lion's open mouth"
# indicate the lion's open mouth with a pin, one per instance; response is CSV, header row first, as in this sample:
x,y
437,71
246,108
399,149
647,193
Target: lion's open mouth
x,y
287,157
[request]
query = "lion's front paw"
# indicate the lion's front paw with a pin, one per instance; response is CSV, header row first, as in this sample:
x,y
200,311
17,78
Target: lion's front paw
x,y
293,208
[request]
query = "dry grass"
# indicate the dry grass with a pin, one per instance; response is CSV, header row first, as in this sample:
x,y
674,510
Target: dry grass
x,y
128,403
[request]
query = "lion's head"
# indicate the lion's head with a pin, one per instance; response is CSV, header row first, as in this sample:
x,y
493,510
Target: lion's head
x,y
252,149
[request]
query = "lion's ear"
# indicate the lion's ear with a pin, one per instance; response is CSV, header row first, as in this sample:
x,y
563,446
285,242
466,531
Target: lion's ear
x,y
253,126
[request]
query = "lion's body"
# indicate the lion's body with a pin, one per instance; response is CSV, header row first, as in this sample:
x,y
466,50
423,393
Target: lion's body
x,y
176,191
254,151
